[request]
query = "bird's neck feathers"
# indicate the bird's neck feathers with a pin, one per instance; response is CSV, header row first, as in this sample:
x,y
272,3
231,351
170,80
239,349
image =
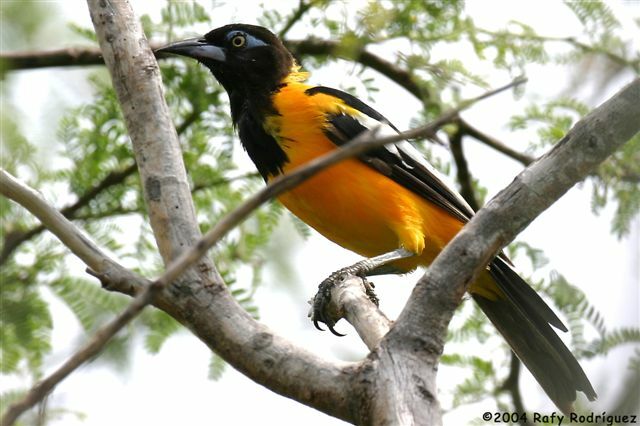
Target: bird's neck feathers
x,y
295,75
258,100
250,111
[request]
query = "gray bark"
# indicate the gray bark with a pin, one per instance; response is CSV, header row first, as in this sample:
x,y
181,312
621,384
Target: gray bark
x,y
396,384
199,299
416,341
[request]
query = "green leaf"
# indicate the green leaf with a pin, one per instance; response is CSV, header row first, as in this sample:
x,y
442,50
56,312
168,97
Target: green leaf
x,y
217,367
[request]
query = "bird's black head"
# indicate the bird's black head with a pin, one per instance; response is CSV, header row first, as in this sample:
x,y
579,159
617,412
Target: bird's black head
x,y
244,58
251,63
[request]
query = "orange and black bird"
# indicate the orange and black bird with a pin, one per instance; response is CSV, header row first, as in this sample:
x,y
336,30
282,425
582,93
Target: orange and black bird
x,y
388,205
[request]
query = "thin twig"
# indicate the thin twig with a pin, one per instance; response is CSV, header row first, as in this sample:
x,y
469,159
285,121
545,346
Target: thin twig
x,y
13,239
97,342
295,17
492,142
512,386
120,210
462,169
314,47
33,59
223,181
402,77
52,219
632,63
97,261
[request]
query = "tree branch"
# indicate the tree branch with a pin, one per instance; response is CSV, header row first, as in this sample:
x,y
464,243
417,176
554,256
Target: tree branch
x,y
349,300
311,46
417,338
110,273
492,142
199,298
512,386
70,236
317,47
89,253
69,57
462,169
13,239
295,17
633,64
93,347
511,383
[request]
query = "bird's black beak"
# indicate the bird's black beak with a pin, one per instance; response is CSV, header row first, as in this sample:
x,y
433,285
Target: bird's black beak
x,y
196,48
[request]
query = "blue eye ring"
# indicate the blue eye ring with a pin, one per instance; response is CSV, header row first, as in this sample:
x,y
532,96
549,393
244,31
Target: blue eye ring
x,y
241,40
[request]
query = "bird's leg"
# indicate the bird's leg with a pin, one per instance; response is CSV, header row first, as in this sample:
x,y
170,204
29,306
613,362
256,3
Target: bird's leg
x,y
377,265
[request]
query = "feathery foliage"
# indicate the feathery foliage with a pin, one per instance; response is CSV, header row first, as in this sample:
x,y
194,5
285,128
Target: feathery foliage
x,y
89,172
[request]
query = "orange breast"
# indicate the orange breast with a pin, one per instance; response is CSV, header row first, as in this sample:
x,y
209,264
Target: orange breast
x,y
350,203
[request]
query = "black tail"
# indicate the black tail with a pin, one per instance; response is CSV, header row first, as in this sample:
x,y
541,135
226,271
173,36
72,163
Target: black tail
x,y
525,320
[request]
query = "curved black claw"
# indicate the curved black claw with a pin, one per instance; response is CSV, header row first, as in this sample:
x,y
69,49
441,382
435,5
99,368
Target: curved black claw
x,y
321,302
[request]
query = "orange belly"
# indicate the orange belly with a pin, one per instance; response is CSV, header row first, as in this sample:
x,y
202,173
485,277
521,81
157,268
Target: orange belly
x,y
365,212
350,203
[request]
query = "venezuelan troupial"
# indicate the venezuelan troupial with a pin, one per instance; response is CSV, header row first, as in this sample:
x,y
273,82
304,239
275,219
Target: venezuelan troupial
x,y
388,204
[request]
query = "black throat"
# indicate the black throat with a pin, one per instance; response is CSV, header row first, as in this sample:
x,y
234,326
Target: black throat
x,y
248,112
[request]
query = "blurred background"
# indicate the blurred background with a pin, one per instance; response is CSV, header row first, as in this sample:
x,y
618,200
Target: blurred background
x,y
62,134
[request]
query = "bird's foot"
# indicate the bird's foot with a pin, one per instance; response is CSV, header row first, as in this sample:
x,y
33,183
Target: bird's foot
x,y
321,304
321,310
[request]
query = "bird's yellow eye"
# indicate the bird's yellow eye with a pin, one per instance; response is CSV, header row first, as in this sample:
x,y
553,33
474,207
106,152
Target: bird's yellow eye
x,y
238,41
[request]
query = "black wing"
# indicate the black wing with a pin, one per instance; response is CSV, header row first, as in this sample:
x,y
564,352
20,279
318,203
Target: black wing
x,y
396,161
525,320
399,163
